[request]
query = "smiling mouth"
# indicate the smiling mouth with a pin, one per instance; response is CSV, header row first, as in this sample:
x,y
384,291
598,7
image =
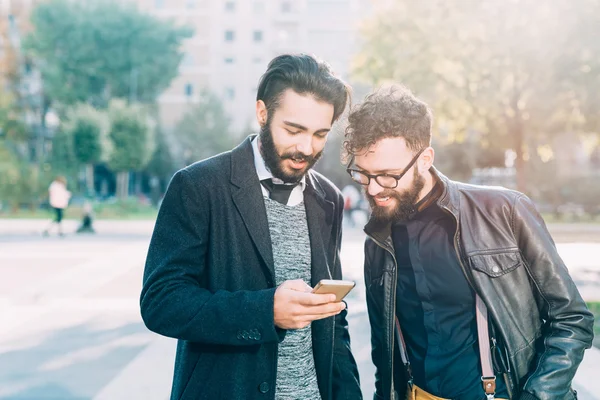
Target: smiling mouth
x,y
298,162
382,201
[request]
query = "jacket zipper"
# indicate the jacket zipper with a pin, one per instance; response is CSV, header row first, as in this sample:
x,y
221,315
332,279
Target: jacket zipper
x,y
391,322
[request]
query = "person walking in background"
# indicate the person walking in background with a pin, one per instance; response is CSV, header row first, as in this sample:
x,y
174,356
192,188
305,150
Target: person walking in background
x,y
467,295
59,198
87,218
351,203
240,240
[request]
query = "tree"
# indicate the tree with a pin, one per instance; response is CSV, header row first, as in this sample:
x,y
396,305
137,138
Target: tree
x,y
88,127
495,67
204,130
11,126
161,163
161,166
92,51
62,156
132,142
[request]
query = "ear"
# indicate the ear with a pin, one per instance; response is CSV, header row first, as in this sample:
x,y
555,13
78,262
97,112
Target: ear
x,y
261,113
426,160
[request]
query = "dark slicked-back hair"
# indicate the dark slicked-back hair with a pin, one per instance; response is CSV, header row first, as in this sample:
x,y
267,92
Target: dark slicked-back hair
x,y
304,74
388,112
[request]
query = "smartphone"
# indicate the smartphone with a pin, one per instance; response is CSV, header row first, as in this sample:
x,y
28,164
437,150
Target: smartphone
x,y
338,287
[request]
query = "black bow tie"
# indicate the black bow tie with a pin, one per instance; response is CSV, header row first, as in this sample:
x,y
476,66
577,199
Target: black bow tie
x,y
278,192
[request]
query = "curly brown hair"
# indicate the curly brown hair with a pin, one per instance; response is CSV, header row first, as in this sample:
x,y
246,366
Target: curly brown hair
x,y
388,112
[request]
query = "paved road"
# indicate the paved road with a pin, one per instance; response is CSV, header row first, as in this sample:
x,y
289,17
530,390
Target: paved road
x,y
71,327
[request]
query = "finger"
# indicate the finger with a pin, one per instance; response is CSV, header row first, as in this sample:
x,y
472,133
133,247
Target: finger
x,y
325,309
298,285
316,317
312,299
322,309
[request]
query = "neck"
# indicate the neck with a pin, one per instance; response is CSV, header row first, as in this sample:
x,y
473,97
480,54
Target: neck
x,y
429,183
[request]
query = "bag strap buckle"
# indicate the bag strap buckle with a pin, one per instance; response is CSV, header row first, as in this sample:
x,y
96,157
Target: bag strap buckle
x,y
489,386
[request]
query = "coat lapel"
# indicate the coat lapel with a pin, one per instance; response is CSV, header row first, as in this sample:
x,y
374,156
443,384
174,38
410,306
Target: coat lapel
x,y
319,215
248,198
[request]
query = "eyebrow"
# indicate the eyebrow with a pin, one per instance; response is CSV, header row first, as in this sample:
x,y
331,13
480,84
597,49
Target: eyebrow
x,y
380,171
303,128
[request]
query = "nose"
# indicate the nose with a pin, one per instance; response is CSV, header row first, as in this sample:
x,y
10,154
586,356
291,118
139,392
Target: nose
x,y
373,188
305,145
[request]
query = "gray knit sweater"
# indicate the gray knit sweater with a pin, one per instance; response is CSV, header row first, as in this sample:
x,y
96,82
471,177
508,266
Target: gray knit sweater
x,y
296,376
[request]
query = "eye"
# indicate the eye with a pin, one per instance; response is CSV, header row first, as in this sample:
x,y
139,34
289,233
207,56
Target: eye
x,y
292,132
321,135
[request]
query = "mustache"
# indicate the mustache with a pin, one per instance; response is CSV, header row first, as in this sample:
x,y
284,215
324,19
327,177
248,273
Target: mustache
x,y
385,193
298,156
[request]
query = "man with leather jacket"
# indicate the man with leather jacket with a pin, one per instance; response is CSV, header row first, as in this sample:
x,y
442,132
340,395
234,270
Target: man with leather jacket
x,y
437,253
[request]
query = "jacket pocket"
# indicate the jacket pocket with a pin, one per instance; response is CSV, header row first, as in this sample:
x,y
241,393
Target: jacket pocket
x,y
495,264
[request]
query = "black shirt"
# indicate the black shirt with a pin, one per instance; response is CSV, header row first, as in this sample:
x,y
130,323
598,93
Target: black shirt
x,y
436,308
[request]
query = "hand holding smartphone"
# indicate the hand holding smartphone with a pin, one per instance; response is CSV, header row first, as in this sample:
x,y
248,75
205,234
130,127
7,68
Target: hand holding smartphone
x,y
340,288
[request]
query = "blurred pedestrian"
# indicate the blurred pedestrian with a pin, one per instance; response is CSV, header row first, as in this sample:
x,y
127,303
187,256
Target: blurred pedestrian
x,y
59,198
351,203
87,218
464,283
240,240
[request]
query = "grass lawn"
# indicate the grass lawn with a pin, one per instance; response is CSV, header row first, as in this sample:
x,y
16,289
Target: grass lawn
x,y
127,211
595,308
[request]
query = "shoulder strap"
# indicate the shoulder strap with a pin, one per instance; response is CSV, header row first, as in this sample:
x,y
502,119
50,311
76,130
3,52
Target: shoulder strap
x,y
485,353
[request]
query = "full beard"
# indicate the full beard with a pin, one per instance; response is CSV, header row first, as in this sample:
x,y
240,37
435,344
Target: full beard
x,y
274,160
405,202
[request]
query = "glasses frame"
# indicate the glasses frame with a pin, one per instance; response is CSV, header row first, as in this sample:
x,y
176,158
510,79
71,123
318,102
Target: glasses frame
x,y
370,176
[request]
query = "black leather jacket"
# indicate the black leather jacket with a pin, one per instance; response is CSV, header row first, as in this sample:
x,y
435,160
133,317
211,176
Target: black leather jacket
x,y
540,325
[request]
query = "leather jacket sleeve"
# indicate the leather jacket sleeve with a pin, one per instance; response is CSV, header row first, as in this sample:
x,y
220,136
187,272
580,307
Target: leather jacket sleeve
x,y
568,328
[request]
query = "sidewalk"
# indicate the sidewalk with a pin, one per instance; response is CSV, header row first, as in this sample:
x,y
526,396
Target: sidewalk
x,y
71,327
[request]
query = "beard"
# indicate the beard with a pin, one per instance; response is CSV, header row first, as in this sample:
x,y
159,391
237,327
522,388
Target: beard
x,y
406,202
274,160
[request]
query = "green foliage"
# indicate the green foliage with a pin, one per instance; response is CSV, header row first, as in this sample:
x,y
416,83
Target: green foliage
x,y
516,71
11,126
20,182
161,163
131,137
88,128
204,130
91,51
62,156
594,307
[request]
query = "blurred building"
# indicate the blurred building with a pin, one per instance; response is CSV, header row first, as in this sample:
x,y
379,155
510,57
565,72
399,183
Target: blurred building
x,y
235,39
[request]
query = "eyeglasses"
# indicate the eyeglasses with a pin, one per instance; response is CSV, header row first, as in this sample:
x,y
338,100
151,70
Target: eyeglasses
x,y
388,181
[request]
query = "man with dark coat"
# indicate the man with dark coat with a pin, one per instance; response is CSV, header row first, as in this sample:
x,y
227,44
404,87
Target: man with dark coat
x,y
240,240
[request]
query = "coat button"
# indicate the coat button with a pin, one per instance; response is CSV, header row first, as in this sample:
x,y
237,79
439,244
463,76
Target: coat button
x,y
496,269
240,336
257,335
263,387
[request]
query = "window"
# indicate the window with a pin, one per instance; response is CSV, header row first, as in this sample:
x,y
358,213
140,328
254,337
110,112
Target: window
x,y
286,7
229,93
189,90
229,60
188,60
159,3
258,36
191,4
230,6
229,36
259,7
